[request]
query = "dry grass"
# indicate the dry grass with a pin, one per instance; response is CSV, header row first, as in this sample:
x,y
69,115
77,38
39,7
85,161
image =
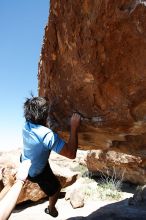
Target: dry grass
x,y
106,187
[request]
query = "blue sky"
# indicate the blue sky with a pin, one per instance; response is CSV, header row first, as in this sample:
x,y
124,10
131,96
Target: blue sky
x,y
22,24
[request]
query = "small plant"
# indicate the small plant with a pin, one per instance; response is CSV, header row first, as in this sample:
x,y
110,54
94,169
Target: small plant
x,y
81,169
108,190
110,185
91,191
107,187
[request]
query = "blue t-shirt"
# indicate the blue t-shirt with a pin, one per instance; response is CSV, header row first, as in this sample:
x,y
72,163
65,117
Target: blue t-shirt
x,y
37,143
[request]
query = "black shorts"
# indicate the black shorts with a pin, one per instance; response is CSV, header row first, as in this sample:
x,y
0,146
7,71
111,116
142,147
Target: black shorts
x,y
47,181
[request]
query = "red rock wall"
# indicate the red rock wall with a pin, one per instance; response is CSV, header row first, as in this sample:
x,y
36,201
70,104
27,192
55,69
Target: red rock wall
x,y
93,61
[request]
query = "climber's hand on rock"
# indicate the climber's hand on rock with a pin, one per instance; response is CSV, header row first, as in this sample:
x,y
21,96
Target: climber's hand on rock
x,y
75,121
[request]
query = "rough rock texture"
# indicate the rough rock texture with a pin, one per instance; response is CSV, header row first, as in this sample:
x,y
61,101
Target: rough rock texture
x,y
118,165
93,62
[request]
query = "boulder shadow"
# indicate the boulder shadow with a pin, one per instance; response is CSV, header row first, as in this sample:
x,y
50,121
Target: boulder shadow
x,y
23,205
116,211
27,204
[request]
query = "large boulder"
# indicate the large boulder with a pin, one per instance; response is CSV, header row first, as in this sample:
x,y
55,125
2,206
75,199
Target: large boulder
x,y
118,165
93,62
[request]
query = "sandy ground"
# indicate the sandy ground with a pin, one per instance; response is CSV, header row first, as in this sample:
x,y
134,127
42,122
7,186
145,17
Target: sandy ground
x,y
35,211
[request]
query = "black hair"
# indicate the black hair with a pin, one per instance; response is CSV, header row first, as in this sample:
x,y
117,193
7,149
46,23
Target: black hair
x,y
36,110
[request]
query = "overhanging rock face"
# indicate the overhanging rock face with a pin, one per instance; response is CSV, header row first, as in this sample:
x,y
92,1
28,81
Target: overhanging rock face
x,y
93,61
